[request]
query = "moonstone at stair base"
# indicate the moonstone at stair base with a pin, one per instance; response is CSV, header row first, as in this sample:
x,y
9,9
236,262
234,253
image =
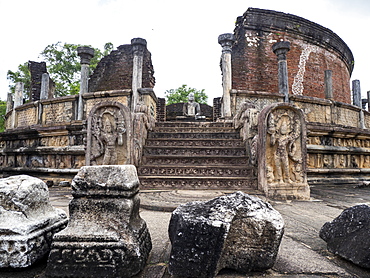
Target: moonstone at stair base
x,y
348,235
235,231
105,236
27,221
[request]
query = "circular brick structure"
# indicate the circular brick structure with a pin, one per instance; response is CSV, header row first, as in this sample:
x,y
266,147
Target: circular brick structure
x,y
314,49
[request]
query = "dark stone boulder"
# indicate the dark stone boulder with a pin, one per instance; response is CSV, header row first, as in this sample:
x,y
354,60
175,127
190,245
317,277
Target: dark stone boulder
x,y
235,231
348,235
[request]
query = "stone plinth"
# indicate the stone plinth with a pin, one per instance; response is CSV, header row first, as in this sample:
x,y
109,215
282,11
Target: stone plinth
x,y
106,236
27,221
235,231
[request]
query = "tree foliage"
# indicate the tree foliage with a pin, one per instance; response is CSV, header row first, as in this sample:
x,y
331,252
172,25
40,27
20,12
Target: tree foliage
x,y
181,95
63,65
2,115
21,75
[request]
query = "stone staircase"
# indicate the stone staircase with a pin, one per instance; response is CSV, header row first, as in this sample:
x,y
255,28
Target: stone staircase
x,y
195,155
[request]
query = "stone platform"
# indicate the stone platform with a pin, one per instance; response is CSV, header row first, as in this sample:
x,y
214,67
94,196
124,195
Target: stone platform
x,y
302,252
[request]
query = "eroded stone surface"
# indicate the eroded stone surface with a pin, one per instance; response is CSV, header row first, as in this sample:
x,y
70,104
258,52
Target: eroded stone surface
x,y
234,231
106,237
348,235
27,221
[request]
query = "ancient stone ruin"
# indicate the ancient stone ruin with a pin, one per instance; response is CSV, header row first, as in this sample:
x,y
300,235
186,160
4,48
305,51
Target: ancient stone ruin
x,y
105,236
27,221
235,231
348,235
314,133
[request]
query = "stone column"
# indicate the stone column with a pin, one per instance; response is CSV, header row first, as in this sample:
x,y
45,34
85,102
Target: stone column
x,y
356,93
226,41
328,84
18,100
281,49
85,53
44,86
138,45
9,102
368,100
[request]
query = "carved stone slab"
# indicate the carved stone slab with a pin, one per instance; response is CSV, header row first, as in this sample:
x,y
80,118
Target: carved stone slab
x,y
106,237
27,221
282,152
235,231
108,134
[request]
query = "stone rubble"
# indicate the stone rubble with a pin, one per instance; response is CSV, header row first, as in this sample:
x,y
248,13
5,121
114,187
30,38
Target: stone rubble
x,y
106,237
27,221
235,231
348,235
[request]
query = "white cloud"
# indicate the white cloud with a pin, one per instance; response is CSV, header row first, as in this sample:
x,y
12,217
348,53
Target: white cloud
x,y
181,35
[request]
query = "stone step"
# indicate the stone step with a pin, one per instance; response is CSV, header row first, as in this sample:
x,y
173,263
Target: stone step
x,y
192,124
192,161
173,182
196,171
211,135
198,151
176,142
194,129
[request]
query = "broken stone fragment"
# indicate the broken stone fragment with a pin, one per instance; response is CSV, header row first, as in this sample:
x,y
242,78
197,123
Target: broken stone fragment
x,y
348,235
106,237
27,221
235,231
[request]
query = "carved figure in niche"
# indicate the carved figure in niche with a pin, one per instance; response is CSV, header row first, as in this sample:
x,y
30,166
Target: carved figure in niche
x,y
107,137
284,130
354,163
192,108
327,161
342,161
366,163
297,172
110,137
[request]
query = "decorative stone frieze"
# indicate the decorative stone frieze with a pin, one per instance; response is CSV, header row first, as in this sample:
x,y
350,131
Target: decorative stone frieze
x,y
27,221
105,236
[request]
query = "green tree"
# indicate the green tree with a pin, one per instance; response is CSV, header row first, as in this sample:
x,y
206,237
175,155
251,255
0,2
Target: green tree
x,y
21,75
181,95
63,65
2,115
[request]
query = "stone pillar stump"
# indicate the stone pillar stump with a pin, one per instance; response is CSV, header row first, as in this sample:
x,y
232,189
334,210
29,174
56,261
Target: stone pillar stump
x,y
105,236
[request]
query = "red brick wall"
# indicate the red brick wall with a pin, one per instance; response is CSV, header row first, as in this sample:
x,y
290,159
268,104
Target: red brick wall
x,y
114,71
314,49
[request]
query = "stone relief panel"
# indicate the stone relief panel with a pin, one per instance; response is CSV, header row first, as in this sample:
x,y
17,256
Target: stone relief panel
x,y
346,117
143,122
282,152
247,121
26,117
59,112
108,135
315,113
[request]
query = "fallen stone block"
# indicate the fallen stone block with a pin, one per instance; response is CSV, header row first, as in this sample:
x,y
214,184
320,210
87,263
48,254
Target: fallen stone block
x,y
27,221
106,237
235,231
348,235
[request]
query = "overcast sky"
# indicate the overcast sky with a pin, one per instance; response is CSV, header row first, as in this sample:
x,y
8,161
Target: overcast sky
x,y
181,35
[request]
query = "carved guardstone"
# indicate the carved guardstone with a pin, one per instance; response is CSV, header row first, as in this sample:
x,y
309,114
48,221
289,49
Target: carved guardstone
x,y
235,231
105,236
108,135
27,221
282,152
